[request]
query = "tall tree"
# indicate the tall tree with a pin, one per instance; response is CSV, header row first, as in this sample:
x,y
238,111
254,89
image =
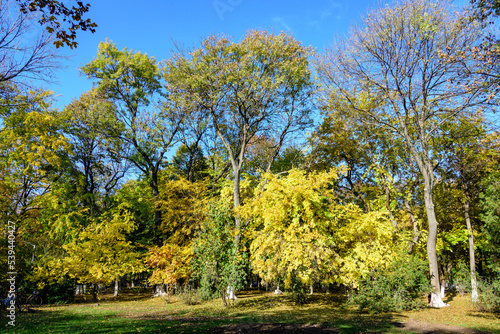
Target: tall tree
x,y
259,86
132,81
96,157
395,58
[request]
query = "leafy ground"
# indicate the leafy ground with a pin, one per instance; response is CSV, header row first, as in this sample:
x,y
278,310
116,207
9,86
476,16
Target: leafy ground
x,y
253,312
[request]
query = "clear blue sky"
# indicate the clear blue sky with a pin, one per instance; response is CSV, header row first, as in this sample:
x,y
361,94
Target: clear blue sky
x,y
150,26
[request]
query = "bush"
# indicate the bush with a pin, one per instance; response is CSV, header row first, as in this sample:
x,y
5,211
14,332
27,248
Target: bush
x,y
461,279
59,293
489,295
396,288
298,289
190,296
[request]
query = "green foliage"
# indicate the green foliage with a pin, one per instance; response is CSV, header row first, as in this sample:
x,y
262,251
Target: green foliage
x,y
299,289
189,162
461,278
490,201
217,264
398,287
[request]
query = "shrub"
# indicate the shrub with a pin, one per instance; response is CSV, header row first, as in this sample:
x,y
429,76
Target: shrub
x,y
489,295
400,286
461,279
190,296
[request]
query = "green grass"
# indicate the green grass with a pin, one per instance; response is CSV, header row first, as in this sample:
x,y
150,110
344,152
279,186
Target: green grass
x,y
138,313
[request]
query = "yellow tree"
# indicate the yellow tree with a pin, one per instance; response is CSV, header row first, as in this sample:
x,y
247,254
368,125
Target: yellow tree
x,y
292,237
182,206
303,234
259,86
100,252
396,57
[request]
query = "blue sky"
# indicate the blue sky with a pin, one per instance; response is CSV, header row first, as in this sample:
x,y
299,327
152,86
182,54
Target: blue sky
x,y
151,26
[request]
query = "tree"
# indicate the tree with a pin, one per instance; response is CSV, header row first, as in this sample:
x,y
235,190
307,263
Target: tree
x,y
95,156
293,235
100,254
490,215
259,86
395,61
31,151
190,162
131,80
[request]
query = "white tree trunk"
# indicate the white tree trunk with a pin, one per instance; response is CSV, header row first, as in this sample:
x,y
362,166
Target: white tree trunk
x,y
278,291
117,287
311,290
231,293
436,301
160,290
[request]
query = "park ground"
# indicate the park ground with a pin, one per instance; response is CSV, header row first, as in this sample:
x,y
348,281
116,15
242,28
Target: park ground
x,y
253,312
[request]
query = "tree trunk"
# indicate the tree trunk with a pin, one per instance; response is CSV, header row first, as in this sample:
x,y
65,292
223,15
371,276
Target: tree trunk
x,y
278,291
388,204
416,233
160,290
436,300
117,287
231,293
472,257
156,192
236,198
94,293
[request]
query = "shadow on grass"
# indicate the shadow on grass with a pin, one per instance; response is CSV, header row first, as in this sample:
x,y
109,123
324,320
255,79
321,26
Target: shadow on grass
x,y
64,322
123,296
450,296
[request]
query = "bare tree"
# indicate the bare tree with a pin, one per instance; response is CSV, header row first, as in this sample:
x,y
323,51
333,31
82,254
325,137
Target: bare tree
x,y
25,55
391,70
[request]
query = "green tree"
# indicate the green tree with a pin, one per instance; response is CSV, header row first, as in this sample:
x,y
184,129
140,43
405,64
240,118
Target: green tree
x,y
132,81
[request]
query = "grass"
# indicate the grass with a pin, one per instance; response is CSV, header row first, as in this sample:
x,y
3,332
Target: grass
x,y
139,313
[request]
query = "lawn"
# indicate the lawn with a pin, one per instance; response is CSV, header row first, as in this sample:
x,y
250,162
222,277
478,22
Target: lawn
x,y
139,313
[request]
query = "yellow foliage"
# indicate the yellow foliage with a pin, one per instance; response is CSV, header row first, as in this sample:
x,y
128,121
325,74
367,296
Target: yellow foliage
x,y
170,263
182,206
292,231
101,253
300,230
365,241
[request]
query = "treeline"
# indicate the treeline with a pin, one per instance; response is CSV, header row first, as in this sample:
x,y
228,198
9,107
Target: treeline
x,y
233,162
